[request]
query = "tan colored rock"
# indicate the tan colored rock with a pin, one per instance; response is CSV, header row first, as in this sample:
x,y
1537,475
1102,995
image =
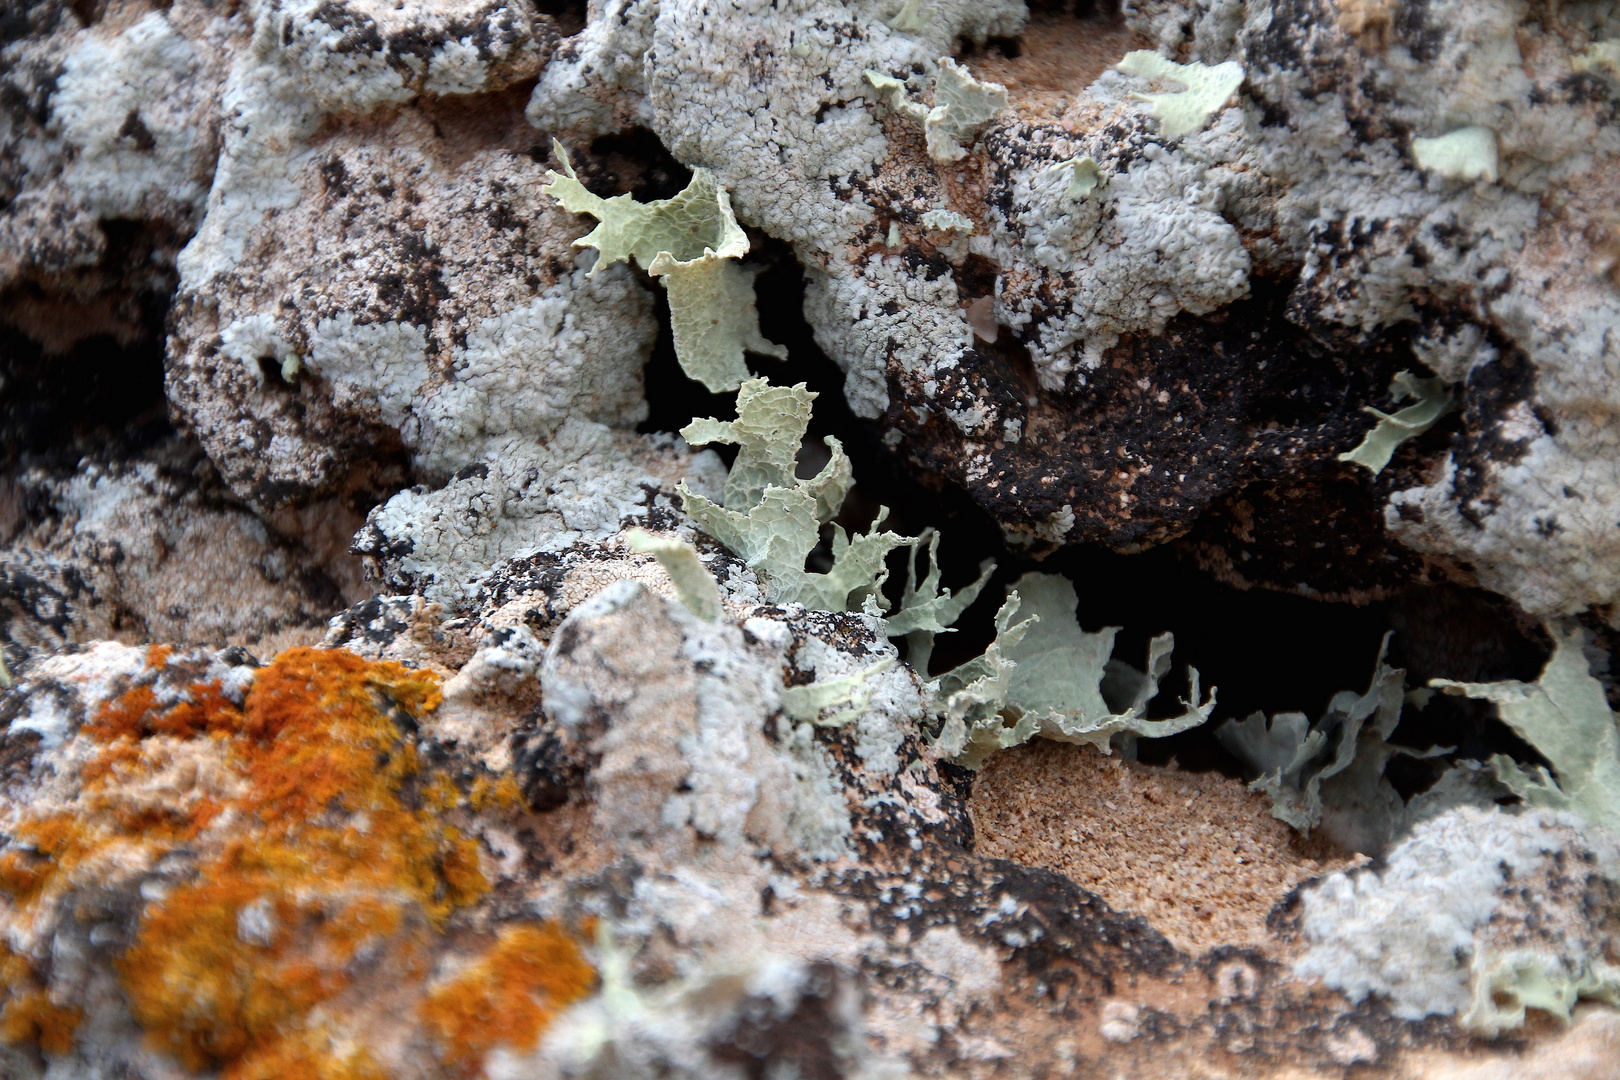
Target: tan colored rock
x,y
1196,853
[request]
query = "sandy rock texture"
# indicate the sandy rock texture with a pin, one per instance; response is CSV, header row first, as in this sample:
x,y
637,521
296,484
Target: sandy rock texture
x,y
350,729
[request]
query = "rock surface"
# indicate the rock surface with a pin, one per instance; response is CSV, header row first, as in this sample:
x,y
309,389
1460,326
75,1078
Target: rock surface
x,y
763,891
347,731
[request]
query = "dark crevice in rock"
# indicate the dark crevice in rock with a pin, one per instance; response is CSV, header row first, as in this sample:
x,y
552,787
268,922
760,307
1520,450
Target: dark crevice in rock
x,y
1078,9
569,15
100,395
633,161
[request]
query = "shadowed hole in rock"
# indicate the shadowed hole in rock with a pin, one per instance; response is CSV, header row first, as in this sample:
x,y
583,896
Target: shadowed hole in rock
x,y
569,14
100,395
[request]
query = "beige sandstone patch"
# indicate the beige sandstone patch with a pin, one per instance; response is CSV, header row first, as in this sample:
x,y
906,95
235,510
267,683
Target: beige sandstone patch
x,y
1197,854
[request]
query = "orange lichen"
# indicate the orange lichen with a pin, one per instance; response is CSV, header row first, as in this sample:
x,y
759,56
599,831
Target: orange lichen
x,y
135,714
500,793
32,1017
316,845
319,748
27,1014
306,1060
507,997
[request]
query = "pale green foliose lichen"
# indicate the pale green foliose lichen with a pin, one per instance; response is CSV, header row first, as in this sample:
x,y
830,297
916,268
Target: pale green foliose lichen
x,y
924,609
962,106
1045,676
947,221
770,425
1507,984
971,697
1566,717
771,519
1431,400
892,92
696,588
692,243
1465,154
1085,176
809,702
1184,111
912,16
1333,769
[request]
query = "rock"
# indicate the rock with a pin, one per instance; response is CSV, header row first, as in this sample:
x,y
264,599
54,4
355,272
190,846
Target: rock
x,y
1213,317
765,893
151,549
1128,279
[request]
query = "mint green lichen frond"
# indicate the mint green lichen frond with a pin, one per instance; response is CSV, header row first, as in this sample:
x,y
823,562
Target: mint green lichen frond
x,y
892,92
810,702
911,16
772,519
1185,111
1566,717
770,426
1465,154
1432,400
962,106
1508,984
691,243
1046,676
695,587
1333,768
972,697
925,609
1085,175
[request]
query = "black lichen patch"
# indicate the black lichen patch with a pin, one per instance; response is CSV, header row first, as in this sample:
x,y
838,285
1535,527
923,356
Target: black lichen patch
x,y
1498,394
550,764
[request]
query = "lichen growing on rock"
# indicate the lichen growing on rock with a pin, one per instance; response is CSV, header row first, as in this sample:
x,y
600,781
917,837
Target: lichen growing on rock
x,y
626,756
309,854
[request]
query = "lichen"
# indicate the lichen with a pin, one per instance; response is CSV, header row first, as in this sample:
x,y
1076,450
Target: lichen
x,y
694,585
314,836
947,221
27,1013
1432,400
1603,58
1182,112
810,702
1331,771
925,609
691,243
771,518
962,107
1085,175
507,997
1478,913
1566,717
1045,676
1468,153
